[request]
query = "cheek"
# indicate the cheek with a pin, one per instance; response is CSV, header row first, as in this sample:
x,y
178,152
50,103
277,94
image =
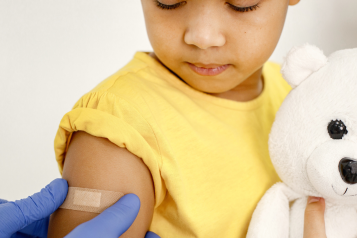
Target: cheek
x,y
166,35
255,36
164,28
271,23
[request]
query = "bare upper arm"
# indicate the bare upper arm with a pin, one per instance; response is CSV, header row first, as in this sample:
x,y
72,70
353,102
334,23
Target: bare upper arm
x,y
97,163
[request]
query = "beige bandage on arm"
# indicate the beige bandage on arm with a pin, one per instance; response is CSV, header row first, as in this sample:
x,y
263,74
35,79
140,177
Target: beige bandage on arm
x,y
90,200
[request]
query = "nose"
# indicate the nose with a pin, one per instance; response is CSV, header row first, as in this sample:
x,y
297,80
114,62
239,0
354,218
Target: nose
x,y
348,170
204,30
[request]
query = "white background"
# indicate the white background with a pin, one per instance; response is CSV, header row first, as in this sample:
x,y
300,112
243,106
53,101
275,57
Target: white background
x,y
54,51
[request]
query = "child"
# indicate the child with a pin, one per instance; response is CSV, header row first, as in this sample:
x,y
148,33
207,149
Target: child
x,y
186,126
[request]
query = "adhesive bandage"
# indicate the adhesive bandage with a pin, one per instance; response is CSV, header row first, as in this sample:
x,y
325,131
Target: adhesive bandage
x,y
90,200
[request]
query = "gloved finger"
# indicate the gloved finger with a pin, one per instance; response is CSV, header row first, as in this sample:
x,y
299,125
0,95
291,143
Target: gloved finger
x,y
112,222
37,229
314,226
3,201
150,234
19,214
20,235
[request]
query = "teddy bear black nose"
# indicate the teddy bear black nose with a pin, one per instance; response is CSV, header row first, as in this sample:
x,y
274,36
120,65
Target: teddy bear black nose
x,y
348,170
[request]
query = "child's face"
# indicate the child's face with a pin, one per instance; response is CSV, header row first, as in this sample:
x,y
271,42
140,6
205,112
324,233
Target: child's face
x,y
203,32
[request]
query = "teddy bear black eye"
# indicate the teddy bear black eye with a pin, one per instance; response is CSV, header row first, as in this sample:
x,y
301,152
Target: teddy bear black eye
x,y
337,129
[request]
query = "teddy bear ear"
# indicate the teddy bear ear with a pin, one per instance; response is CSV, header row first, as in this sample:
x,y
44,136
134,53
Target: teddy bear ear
x,y
301,62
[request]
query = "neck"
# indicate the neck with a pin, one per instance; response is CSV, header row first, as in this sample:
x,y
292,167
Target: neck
x,y
248,90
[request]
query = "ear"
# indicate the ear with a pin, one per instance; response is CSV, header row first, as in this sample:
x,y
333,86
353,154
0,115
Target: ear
x,y
293,2
301,62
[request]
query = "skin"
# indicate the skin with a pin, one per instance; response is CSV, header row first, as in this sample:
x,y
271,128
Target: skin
x,y
314,225
201,31
210,32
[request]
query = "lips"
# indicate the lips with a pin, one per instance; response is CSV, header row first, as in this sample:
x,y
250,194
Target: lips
x,y
208,69
207,66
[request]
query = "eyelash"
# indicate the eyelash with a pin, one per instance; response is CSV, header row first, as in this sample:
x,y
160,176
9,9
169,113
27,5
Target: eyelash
x,y
243,9
235,8
168,7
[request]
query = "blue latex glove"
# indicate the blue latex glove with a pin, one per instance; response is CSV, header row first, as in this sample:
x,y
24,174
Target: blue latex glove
x,y
18,215
30,217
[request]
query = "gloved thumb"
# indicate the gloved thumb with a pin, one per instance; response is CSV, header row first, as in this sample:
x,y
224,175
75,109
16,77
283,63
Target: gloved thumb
x,y
314,226
19,214
112,222
3,201
150,234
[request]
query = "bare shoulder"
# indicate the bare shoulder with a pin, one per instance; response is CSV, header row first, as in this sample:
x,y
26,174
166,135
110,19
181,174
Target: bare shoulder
x,y
97,163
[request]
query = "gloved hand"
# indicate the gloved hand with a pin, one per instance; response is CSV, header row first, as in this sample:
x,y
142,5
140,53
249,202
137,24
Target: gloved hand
x,y
29,217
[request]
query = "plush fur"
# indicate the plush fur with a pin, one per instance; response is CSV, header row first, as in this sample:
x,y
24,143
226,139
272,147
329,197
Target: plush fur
x,y
304,154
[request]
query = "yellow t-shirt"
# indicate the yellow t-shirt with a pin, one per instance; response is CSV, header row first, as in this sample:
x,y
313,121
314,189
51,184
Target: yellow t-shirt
x,y
208,156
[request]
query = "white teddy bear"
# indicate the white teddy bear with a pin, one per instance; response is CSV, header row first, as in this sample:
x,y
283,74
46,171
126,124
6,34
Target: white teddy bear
x,y
313,147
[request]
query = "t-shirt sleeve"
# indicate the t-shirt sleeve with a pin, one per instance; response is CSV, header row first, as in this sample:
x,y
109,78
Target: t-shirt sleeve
x,y
280,81
104,114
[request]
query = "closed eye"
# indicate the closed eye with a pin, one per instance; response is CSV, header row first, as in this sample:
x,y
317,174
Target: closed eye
x,y
169,7
243,9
